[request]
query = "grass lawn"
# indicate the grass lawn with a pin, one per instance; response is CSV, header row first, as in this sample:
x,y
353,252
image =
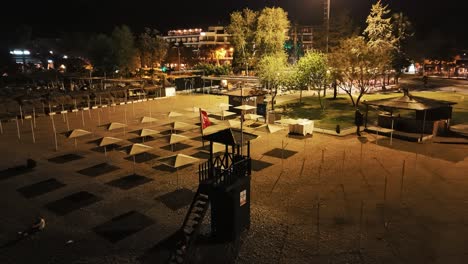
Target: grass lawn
x,y
341,111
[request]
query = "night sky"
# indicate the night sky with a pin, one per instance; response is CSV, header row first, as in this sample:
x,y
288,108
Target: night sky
x,y
50,18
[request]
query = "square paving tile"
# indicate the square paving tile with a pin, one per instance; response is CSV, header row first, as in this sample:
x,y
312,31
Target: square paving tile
x,y
123,226
14,171
129,182
72,202
143,157
65,158
98,170
258,165
40,188
177,199
278,153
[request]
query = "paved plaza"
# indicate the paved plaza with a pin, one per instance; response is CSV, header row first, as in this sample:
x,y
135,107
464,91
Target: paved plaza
x,y
315,199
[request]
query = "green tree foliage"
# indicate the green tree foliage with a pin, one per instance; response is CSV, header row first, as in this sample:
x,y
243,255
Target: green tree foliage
x,y
356,64
123,48
272,25
379,33
242,29
210,69
402,30
379,25
152,48
312,72
273,71
341,26
100,53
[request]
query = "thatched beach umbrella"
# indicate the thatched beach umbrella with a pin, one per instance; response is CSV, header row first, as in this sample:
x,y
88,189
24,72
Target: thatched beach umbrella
x,y
136,149
177,161
107,141
76,133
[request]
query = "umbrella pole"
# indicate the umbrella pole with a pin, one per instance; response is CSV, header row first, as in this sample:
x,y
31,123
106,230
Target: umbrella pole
x,y
105,151
1,127
75,143
134,164
34,117
82,118
99,117
17,128
68,124
32,132
63,117
177,172
21,114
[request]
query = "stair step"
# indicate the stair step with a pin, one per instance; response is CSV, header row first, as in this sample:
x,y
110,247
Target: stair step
x,y
188,230
201,202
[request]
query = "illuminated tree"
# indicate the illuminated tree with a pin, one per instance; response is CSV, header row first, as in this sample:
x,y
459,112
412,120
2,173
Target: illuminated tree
x,y
272,26
242,29
273,70
312,72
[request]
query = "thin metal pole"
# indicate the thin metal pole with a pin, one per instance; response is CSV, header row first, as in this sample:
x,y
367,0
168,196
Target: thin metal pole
x,y
32,132
21,114
68,124
401,182
391,132
34,117
82,118
17,128
1,127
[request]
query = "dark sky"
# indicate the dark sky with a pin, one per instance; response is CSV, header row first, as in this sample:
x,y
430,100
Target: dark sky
x,y
52,17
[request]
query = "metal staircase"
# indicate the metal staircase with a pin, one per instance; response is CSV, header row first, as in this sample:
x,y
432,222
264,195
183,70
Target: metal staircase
x,y
191,226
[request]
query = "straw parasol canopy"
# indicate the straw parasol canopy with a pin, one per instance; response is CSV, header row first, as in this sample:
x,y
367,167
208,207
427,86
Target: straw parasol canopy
x,y
147,132
106,141
147,119
245,107
234,123
178,160
177,125
137,148
270,129
175,138
115,125
252,116
224,106
76,133
174,114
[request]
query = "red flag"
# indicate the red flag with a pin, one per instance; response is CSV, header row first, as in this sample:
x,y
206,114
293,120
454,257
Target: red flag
x,y
204,120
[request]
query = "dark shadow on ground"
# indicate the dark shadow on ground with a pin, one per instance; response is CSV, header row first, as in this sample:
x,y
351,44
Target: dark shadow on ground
x,y
177,199
166,168
108,148
452,153
177,147
142,139
143,157
161,252
65,158
258,165
72,202
14,171
98,170
129,182
279,153
123,226
299,136
40,188
201,155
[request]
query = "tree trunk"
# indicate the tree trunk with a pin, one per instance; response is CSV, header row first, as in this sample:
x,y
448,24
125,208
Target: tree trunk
x,y
300,96
335,90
